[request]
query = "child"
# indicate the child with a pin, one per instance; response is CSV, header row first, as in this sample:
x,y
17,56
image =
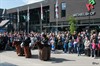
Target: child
x,y
70,46
93,48
52,44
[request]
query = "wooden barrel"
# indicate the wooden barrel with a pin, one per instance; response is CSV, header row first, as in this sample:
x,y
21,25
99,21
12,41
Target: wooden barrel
x,y
19,50
27,52
44,53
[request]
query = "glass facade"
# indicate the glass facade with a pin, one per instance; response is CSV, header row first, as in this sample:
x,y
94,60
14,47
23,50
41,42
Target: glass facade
x,y
63,9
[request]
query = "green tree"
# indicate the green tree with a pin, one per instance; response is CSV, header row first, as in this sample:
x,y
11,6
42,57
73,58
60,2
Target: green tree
x,y
72,22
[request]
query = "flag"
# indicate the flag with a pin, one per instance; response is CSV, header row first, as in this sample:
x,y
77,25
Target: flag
x,y
56,8
41,12
89,7
28,15
18,14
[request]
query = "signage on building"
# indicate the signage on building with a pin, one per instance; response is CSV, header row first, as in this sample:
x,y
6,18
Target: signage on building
x,y
84,14
89,7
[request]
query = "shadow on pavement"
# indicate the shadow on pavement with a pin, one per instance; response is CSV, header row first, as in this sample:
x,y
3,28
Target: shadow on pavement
x,y
52,59
34,57
59,60
1,51
7,64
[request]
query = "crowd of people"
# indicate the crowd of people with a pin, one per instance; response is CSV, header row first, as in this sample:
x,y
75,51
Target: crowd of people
x,y
78,42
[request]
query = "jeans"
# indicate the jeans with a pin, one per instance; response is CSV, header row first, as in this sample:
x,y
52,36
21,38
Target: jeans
x,y
75,48
65,48
93,54
79,51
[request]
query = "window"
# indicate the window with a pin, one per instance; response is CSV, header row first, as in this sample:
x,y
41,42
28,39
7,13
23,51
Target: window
x,y
63,9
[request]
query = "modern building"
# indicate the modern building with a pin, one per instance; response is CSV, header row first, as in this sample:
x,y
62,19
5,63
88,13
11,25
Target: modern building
x,y
5,22
2,21
1,10
86,12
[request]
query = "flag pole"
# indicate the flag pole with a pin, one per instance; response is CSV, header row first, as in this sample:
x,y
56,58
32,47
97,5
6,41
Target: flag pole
x,y
56,16
28,18
41,17
18,18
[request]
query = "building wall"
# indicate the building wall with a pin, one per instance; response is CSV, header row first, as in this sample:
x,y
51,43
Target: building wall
x,y
73,7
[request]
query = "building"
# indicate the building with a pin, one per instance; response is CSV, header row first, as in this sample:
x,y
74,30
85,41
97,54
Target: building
x,y
86,13
2,21
5,22
1,10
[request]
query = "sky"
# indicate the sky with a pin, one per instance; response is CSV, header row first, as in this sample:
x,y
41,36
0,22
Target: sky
x,y
7,4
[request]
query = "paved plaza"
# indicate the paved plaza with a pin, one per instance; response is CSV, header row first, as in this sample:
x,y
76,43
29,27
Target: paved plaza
x,y
10,58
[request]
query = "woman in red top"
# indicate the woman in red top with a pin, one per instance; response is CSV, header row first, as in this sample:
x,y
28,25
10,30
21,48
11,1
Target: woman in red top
x,y
93,49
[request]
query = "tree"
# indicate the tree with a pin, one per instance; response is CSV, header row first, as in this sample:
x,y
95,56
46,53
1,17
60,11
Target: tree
x,y
72,22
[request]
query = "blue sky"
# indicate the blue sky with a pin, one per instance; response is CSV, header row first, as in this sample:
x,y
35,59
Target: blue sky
x,y
15,3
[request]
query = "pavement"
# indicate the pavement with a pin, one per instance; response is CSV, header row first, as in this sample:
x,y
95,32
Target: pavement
x,y
10,58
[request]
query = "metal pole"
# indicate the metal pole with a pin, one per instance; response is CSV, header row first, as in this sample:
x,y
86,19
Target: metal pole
x,y
41,17
46,22
17,19
56,9
28,18
41,25
56,25
89,19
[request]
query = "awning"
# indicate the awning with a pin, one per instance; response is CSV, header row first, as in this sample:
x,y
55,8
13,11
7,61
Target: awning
x,y
57,26
3,22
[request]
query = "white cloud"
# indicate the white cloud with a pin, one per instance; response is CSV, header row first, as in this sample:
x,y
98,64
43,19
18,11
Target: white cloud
x,y
31,1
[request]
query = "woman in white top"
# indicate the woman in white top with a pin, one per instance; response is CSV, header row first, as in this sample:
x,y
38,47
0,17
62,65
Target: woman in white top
x,y
87,46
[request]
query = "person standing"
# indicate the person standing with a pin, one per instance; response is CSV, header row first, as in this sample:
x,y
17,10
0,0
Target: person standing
x,y
79,45
87,46
5,40
93,48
